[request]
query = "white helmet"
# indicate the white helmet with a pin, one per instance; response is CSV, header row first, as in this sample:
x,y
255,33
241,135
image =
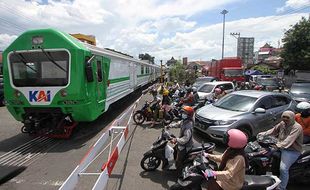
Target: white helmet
x,y
303,106
194,89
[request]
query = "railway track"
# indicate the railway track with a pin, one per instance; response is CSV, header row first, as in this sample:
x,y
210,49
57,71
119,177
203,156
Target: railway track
x,y
27,153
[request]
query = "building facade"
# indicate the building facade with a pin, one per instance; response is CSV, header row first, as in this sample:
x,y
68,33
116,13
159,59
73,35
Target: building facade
x,y
245,50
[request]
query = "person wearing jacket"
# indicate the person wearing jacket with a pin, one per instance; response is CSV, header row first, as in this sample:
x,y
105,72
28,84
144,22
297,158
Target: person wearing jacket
x,y
303,118
290,137
233,163
184,142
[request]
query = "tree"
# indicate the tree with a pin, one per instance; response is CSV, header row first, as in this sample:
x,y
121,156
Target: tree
x,y
148,57
296,49
178,72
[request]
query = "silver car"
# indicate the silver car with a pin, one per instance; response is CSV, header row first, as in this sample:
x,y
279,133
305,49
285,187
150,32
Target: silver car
x,y
248,110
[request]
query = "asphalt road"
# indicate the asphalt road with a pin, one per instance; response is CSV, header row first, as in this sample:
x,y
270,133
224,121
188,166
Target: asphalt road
x,y
51,168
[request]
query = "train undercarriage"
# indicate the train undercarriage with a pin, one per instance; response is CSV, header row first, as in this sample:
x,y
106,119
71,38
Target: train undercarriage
x,y
48,122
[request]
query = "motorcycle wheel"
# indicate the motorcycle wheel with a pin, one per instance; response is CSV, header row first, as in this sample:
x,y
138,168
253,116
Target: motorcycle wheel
x,y
150,163
138,118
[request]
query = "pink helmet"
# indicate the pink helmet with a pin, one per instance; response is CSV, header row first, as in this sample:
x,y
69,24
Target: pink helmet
x,y
217,90
235,138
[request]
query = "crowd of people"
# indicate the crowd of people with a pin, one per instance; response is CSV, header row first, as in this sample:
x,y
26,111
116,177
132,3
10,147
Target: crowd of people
x,y
291,132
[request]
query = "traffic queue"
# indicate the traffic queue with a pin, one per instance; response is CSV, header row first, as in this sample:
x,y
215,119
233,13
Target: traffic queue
x,y
268,156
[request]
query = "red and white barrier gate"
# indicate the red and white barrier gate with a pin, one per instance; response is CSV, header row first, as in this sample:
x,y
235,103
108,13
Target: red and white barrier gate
x,y
96,150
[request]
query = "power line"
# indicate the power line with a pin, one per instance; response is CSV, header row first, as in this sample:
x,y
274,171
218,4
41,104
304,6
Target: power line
x,y
19,13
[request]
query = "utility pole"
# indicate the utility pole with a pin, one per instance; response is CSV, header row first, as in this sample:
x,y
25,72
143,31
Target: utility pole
x,y
237,36
224,12
161,71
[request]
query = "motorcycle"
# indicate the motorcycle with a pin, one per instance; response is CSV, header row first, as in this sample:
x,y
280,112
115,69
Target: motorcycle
x,y
161,152
264,158
146,113
193,177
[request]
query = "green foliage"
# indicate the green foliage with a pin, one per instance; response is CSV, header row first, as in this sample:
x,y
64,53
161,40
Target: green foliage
x,y
296,49
264,69
178,72
148,57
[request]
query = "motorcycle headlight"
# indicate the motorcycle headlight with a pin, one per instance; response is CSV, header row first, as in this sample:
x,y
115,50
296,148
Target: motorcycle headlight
x,y
224,122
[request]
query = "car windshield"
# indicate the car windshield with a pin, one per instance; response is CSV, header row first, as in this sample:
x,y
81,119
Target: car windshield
x,y
46,68
200,81
235,102
233,72
206,88
300,88
267,81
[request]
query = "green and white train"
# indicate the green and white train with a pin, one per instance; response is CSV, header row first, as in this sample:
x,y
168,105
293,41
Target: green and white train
x,y
51,78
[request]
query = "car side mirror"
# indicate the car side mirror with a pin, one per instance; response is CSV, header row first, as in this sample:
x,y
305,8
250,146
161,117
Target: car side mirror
x,y
259,110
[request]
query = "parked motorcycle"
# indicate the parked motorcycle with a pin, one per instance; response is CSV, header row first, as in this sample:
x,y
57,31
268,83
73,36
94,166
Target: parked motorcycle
x,y
193,177
263,158
146,113
161,152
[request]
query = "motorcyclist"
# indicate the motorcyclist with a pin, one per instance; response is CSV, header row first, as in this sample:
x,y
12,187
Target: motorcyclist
x,y
185,140
233,163
155,107
303,118
217,94
188,100
290,137
166,99
176,85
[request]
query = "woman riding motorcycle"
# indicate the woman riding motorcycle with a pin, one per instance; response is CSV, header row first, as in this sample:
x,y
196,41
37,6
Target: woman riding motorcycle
x,y
303,118
290,138
185,140
233,163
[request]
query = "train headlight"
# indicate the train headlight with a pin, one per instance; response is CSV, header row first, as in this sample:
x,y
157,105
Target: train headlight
x,y
37,40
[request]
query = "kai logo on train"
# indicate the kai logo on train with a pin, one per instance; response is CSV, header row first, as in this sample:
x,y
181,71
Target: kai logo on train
x,y
40,96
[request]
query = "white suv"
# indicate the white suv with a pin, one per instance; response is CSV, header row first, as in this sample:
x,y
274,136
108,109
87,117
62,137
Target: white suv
x,y
206,89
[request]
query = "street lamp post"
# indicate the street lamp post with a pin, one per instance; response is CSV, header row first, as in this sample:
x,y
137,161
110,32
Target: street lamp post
x,y
224,12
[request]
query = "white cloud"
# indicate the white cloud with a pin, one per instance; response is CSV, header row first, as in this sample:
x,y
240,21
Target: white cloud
x,y
6,39
293,4
155,9
161,28
205,42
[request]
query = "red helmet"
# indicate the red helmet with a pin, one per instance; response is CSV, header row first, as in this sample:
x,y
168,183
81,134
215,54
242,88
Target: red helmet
x,y
235,138
188,110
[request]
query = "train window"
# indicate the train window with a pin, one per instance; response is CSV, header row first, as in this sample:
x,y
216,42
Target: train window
x,y
142,70
99,71
48,68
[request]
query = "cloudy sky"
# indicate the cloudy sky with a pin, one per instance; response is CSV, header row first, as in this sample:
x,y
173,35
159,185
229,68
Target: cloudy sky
x,y
162,28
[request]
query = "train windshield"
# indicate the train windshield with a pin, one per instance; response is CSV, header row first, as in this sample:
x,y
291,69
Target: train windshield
x,y
39,68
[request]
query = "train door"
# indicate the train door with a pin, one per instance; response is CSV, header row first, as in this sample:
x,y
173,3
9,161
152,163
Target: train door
x,y
132,73
100,82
